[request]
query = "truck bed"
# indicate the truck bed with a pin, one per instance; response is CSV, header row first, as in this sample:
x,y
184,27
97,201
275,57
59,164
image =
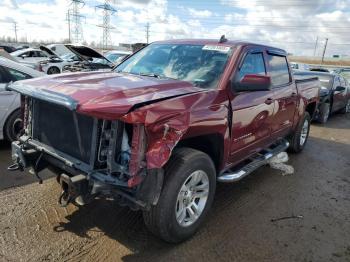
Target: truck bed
x,y
309,88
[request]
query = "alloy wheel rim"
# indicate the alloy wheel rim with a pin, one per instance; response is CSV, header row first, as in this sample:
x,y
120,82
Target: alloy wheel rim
x,y
304,132
192,198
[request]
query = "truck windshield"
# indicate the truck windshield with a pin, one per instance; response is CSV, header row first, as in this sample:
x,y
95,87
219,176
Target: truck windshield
x,y
201,65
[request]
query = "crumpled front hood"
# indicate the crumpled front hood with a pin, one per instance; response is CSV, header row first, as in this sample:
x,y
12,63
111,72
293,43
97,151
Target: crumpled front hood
x,y
102,94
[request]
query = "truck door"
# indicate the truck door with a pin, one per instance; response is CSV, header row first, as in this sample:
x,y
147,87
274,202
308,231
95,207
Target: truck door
x,y
252,111
285,94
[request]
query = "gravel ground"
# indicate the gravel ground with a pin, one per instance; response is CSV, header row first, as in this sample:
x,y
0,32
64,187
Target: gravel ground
x,y
239,228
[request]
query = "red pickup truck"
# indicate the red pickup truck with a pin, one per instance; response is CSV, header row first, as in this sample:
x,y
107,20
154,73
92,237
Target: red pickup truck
x,y
165,126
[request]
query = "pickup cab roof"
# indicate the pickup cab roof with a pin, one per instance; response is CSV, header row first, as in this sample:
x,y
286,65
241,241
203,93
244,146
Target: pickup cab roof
x,y
230,43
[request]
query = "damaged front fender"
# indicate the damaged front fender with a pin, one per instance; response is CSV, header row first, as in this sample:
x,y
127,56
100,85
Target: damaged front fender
x,y
168,122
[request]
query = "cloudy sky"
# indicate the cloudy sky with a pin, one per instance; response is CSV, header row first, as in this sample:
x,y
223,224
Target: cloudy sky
x,y
290,24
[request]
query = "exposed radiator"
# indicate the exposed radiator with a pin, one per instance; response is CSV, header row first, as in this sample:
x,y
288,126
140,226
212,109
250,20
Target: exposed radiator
x,y
63,130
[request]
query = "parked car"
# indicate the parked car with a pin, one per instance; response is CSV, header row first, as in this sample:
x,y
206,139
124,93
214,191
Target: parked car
x,y
8,48
55,64
90,60
10,118
334,94
299,66
159,131
30,55
116,56
345,72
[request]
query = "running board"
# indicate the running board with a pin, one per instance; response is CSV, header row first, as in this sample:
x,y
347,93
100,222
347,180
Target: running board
x,y
258,160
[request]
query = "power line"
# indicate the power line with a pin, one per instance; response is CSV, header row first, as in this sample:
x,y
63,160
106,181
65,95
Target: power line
x,y
15,28
108,10
324,49
75,28
147,33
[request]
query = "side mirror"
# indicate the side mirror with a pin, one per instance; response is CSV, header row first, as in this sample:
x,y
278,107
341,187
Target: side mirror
x,y
6,87
339,88
252,82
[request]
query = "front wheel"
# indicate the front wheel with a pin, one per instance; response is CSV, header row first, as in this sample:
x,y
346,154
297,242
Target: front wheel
x,y
346,109
13,127
299,137
187,195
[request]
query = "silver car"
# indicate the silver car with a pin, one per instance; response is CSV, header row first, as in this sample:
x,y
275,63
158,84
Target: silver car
x,y
10,115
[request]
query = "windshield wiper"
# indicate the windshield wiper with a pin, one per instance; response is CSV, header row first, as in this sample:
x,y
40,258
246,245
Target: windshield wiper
x,y
147,74
150,75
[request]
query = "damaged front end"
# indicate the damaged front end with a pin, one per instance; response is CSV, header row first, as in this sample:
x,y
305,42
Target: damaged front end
x,y
91,156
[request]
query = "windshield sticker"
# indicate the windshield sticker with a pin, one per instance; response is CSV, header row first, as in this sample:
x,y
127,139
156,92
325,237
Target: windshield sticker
x,y
219,48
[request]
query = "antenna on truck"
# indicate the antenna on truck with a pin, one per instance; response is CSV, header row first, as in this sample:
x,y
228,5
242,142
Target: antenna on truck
x,y
223,39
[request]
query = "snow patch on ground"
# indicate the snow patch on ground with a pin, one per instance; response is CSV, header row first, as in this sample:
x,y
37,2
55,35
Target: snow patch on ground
x,y
278,162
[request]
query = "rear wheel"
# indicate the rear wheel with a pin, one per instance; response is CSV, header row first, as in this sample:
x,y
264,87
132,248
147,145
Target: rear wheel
x,y
53,70
13,126
187,195
299,138
325,109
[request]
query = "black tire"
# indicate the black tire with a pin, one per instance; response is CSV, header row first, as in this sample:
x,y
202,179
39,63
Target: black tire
x,y
295,145
325,109
53,70
346,109
13,126
161,218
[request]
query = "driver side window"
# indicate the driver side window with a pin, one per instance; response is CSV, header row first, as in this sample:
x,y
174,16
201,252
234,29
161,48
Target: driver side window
x,y
253,64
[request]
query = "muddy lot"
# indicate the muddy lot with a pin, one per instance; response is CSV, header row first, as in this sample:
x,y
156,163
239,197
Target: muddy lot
x,y
239,228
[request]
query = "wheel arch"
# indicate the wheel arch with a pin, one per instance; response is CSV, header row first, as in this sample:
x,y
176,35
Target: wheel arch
x,y
53,67
210,144
311,109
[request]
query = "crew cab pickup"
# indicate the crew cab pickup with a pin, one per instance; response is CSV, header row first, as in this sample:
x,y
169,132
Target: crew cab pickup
x,y
165,126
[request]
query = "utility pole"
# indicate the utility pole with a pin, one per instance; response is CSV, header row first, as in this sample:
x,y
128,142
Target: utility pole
x,y
15,28
324,49
147,32
316,46
108,10
76,31
68,18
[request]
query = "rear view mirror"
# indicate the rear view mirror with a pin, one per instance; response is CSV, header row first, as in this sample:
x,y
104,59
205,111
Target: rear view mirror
x,y
252,82
339,88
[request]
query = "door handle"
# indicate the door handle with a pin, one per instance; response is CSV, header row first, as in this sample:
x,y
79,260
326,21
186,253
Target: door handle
x,y
269,101
294,94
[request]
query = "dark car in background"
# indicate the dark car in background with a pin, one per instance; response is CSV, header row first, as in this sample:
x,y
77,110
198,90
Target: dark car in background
x,y
334,93
7,48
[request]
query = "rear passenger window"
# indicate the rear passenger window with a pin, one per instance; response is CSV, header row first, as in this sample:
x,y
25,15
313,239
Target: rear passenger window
x,y
253,64
278,70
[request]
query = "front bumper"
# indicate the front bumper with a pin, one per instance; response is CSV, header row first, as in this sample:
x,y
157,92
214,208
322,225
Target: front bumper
x,y
79,181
